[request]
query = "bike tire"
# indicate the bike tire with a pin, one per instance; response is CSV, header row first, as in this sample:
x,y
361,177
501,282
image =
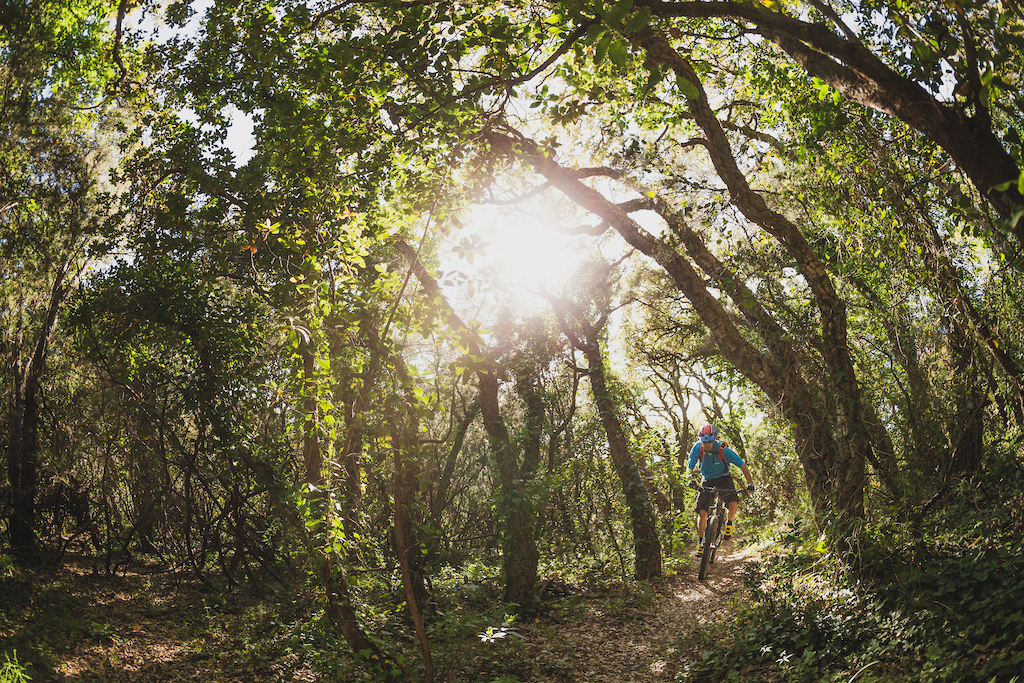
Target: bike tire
x,y
705,559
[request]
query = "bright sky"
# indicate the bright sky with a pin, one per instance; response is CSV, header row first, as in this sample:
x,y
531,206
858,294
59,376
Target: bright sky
x,y
150,22
520,249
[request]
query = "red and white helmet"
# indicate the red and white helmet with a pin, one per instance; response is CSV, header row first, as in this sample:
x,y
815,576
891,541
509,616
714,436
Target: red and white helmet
x,y
708,433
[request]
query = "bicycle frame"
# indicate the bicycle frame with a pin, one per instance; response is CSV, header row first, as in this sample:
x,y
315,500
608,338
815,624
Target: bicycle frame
x,y
714,528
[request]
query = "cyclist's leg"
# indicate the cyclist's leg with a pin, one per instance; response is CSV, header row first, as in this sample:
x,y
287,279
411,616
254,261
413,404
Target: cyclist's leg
x,y
731,514
704,500
732,505
702,507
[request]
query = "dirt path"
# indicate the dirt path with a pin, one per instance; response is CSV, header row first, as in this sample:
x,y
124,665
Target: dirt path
x,y
645,643
151,627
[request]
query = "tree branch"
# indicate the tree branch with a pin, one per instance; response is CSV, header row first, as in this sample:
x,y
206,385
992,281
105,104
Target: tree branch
x,y
831,15
555,56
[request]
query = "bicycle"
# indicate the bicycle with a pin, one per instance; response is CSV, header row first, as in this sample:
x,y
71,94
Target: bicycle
x,y
715,526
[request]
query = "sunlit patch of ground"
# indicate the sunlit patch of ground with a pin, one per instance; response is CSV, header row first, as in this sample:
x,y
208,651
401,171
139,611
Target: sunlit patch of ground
x,y
646,642
136,626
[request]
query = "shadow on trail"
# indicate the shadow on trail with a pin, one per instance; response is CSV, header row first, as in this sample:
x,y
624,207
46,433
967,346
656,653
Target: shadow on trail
x,y
648,643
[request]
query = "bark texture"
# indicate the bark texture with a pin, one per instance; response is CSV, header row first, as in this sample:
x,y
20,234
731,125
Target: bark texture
x,y
23,445
585,336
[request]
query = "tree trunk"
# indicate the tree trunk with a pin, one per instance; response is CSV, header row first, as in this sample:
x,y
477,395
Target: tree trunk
x,y
439,497
408,550
527,386
340,609
23,447
519,554
645,533
408,493
647,545
23,467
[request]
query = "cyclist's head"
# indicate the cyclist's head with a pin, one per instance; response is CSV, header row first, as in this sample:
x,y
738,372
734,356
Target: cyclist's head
x,y
708,433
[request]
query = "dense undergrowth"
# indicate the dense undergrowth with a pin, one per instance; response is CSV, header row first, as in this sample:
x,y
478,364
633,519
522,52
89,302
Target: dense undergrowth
x,y
936,599
71,623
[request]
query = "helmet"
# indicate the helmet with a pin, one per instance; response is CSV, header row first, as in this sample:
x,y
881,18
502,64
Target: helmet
x,y
707,433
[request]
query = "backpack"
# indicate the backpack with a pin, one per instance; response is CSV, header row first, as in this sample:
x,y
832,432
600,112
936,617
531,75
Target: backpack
x,y
720,445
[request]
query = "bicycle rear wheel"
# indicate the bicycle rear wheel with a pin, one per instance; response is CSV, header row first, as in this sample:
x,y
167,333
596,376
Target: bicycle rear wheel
x,y
709,535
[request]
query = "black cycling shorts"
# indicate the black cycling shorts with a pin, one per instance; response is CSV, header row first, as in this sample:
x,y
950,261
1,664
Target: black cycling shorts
x,y
704,498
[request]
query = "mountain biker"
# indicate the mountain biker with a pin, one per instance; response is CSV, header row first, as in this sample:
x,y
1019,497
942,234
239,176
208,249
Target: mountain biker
x,y
715,457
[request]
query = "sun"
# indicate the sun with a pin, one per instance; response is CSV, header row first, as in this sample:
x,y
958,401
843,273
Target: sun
x,y
529,251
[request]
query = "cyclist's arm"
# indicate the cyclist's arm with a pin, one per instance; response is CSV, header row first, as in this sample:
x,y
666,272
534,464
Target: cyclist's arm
x,y
746,473
694,452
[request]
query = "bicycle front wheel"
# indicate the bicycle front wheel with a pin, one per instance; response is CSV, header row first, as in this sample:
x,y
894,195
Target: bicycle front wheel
x,y
709,540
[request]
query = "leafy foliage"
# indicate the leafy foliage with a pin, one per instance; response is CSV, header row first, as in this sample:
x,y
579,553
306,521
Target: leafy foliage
x,y
939,606
271,359
11,671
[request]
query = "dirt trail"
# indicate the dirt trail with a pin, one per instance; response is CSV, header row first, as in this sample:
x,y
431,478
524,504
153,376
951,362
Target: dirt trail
x,y
154,627
649,643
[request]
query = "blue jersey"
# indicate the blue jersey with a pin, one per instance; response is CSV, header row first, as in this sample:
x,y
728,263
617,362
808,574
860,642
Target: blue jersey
x,y
711,467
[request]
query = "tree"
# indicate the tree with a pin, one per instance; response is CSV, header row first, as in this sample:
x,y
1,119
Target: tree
x,y
585,335
519,546
703,117
962,36
54,121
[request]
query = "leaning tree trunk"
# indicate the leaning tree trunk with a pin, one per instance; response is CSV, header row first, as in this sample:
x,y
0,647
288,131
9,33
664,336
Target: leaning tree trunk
x,y
646,544
23,446
440,492
585,336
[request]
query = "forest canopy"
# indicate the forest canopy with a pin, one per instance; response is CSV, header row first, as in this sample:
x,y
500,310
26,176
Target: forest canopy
x,y
484,268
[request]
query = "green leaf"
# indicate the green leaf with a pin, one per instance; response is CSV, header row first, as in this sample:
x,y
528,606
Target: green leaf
x,y
618,53
687,88
617,13
654,77
594,32
638,21
602,48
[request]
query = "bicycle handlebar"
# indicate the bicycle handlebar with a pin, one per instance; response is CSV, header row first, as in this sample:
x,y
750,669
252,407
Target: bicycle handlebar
x,y
698,487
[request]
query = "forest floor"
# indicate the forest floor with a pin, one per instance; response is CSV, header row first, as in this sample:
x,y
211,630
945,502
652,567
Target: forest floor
x,y
77,625
632,638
